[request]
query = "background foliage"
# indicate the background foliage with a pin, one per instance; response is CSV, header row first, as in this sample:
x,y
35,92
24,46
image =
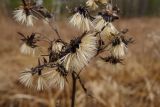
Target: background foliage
x,y
129,8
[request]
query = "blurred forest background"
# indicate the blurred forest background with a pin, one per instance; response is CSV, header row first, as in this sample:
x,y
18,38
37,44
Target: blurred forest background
x,y
134,84
129,8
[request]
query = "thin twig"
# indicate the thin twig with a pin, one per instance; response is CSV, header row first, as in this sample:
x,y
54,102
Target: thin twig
x,y
82,84
55,30
74,83
52,27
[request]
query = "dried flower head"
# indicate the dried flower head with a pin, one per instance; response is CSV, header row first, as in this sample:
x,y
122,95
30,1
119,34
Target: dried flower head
x,y
99,23
118,48
81,50
29,44
112,60
111,13
23,13
25,49
108,32
92,4
26,78
34,78
104,26
57,46
56,50
29,11
41,78
105,29
57,77
81,19
41,81
21,16
105,17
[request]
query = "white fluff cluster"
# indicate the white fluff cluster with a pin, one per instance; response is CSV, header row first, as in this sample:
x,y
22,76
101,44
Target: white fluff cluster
x,y
26,78
38,82
108,30
93,5
99,23
57,46
51,79
56,80
21,16
119,50
87,50
27,50
41,82
81,22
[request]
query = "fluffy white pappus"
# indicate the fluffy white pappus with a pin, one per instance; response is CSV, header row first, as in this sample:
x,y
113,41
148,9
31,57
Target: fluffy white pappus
x,y
118,50
99,23
81,22
22,17
26,78
109,31
66,61
29,21
106,28
86,51
27,50
92,4
56,80
57,46
41,82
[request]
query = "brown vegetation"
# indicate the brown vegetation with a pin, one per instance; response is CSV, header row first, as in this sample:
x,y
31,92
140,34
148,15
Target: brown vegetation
x,y
137,84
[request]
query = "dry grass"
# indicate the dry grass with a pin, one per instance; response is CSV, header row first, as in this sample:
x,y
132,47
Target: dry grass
x,y
135,84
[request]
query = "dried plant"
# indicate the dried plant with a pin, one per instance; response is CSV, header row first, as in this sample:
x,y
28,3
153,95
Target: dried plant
x,y
67,60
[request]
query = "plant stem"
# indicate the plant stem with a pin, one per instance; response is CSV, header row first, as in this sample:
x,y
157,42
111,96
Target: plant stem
x,y
55,30
81,83
74,82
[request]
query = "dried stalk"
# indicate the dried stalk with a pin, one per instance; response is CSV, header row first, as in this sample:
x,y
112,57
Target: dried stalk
x,y
74,83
